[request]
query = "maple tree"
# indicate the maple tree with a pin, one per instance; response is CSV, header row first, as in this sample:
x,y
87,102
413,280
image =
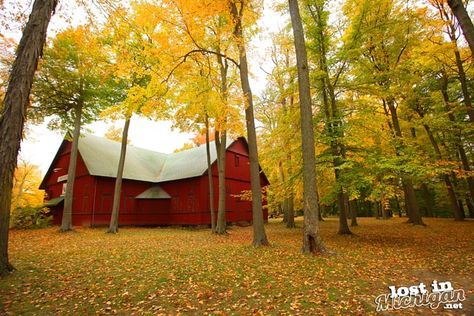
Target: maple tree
x,y
71,85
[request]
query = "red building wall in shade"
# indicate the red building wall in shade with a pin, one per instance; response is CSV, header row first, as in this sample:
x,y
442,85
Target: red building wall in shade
x,y
188,205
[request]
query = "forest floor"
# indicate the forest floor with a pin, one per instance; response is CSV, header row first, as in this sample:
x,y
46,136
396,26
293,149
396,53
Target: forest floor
x,y
190,271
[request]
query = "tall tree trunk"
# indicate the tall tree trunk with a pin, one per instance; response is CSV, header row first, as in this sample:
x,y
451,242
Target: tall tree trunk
x,y
284,203
210,178
66,224
459,64
333,120
113,227
464,21
460,148
312,241
288,207
412,206
259,235
12,117
220,140
447,181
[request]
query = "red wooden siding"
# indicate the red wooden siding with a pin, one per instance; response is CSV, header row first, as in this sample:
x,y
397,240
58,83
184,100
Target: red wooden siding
x,y
188,205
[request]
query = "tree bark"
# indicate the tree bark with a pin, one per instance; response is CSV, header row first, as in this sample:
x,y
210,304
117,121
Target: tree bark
x,y
312,241
210,178
470,207
447,181
458,9
428,200
12,117
412,206
459,64
353,209
460,148
113,227
341,203
291,212
66,223
333,120
259,234
220,141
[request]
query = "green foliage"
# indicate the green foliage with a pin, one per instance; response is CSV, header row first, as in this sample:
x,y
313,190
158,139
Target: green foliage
x,y
30,217
74,71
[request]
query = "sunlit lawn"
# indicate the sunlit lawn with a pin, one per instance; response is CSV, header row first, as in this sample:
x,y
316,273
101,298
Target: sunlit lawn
x,y
176,270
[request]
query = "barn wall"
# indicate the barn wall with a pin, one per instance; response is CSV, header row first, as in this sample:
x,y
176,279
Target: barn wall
x,y
237,180
189,203
83,188
132,211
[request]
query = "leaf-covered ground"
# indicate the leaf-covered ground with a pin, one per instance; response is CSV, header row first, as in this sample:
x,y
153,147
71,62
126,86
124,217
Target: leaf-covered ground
x,y
174,270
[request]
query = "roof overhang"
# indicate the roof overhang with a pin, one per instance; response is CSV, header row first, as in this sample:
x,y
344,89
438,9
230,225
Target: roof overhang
x,y
155,192
54,202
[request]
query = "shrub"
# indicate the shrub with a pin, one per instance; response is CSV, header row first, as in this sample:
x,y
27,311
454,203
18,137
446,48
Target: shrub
x,y
30,217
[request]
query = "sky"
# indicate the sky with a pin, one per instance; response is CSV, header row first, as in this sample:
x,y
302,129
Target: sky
x,y
41,144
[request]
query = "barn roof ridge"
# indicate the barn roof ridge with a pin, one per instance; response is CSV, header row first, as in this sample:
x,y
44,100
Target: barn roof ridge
x,y
101,157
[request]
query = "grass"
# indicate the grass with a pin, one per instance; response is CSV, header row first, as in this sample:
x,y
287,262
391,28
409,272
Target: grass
x,y
171,270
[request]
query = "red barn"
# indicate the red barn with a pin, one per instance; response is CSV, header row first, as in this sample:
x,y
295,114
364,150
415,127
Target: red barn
x,y
157,188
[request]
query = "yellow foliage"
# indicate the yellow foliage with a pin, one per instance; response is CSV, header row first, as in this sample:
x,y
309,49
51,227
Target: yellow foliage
x,y
25,190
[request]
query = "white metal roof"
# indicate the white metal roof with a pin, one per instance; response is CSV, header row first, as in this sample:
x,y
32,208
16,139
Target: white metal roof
x,y
101,157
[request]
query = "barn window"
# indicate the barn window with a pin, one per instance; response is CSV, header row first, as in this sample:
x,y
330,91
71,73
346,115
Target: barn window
x,y
237,160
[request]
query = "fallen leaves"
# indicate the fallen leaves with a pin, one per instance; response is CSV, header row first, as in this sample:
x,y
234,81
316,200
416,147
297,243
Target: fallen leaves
x,y
177,271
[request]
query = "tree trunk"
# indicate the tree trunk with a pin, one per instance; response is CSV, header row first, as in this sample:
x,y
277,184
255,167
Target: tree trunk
x,y
312,242
66,224
353,209
461,72
383,209
259,235
291,212
284,212
464,21
428,200
462,153
333,121
12,117
113,227
470,208
343,226
210,178
221,144
284,203
220,140
447,181
412,206
288,207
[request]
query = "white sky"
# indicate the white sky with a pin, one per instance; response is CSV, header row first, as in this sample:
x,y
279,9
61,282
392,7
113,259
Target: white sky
x,y
41,144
